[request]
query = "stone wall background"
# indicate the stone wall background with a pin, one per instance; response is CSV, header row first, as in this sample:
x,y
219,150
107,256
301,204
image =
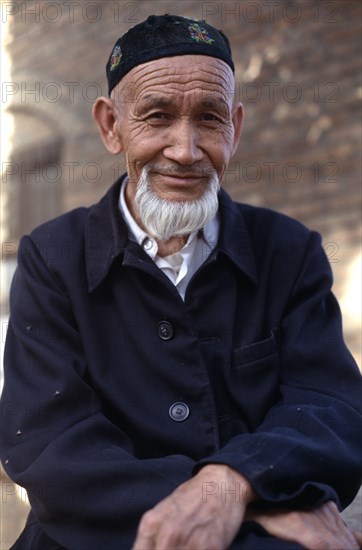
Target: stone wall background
x,y
298,69
297,73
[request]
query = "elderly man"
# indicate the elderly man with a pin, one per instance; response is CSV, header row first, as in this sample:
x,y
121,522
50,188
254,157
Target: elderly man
x,y
176,376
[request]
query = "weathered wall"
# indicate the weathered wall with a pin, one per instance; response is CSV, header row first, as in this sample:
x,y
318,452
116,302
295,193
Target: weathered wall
x,y
298,67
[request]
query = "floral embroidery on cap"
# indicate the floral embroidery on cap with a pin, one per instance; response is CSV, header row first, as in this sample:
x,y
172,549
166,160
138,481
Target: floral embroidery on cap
x,y
199,34
115,58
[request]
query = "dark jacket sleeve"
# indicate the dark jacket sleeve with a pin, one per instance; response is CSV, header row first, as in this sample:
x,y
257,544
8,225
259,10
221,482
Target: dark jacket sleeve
x,y
308,449
85,486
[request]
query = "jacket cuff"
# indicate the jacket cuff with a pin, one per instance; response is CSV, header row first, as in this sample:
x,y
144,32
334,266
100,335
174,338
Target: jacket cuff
x,y
273,492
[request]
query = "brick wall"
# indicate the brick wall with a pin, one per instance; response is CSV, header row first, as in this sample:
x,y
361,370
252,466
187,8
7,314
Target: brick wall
x,y
297,73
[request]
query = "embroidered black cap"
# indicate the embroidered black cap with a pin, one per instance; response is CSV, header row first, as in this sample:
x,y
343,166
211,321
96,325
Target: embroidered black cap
x,y
165,36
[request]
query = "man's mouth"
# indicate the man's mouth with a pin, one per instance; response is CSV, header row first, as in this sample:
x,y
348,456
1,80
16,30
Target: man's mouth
x,y
183,177
180,178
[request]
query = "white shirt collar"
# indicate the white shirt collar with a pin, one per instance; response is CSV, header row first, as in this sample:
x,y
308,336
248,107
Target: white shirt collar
x,y
179,267
135,232
210,231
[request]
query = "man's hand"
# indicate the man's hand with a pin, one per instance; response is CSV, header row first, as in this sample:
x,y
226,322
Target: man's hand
x,y
319,529
204,513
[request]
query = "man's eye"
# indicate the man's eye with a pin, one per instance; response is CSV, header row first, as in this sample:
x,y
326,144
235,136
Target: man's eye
x,y
210,117
158,116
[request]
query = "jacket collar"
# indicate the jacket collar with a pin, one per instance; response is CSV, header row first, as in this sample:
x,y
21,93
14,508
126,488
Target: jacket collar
x,y
234,239
106,236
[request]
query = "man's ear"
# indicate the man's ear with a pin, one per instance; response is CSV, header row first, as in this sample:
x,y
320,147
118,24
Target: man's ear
x,y
238,120
103,114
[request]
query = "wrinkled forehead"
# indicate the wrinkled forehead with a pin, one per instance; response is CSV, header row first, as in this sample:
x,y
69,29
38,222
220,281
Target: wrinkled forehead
x,y
189,75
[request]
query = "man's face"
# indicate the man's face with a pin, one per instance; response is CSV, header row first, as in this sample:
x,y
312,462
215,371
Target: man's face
x,y
176,115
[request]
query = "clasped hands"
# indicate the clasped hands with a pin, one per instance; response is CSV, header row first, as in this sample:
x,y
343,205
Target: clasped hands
x,y
200,516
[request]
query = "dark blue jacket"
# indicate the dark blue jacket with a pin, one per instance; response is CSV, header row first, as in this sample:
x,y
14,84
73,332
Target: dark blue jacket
x,y
101,345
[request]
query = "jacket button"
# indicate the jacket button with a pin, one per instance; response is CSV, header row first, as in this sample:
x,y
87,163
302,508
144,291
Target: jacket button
x,y
179,411
165,330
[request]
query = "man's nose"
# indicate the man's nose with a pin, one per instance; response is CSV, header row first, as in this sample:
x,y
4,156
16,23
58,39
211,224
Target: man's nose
x,y
184,146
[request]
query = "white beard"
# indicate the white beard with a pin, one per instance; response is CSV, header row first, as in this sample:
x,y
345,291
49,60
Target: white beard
x,y
163,219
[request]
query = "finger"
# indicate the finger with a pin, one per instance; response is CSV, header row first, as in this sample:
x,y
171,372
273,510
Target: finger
x,y
312,529
144,542
358,536
169,537
280,524
146,534
340,534
327,530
